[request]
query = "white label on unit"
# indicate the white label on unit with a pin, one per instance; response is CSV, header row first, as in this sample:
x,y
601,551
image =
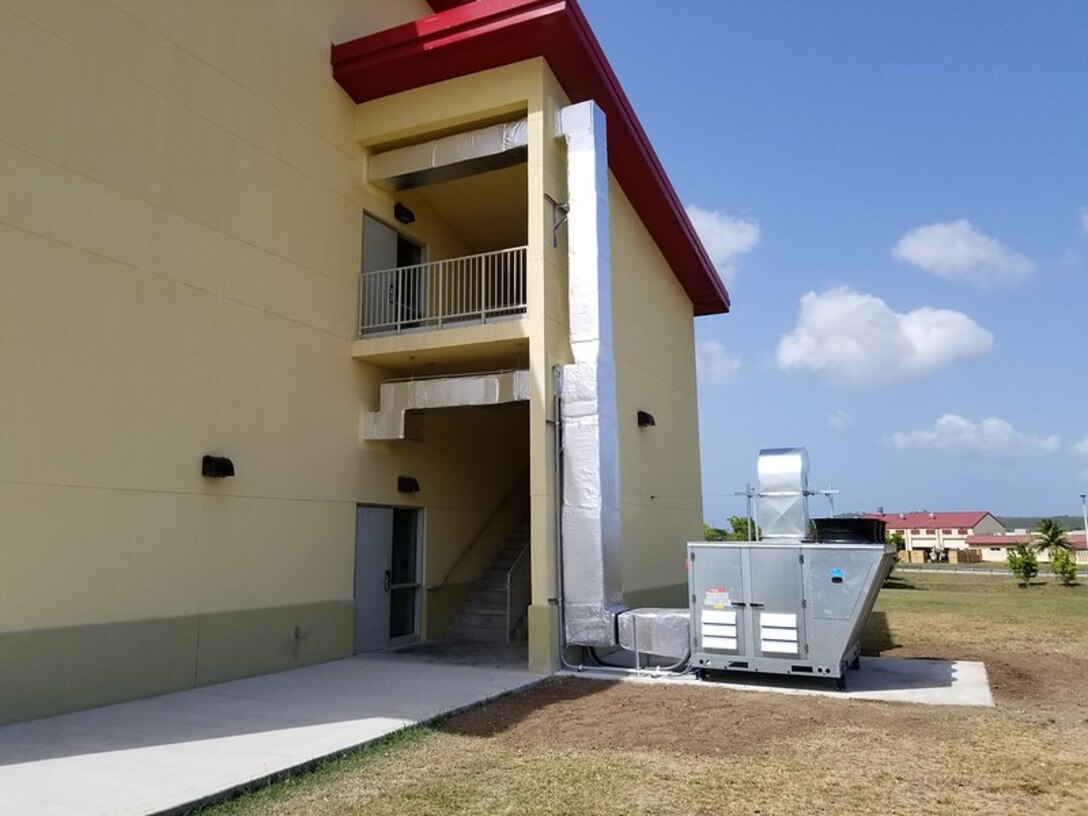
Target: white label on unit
x,y
778,619
720,644
777,647
727,616
719,630
771,633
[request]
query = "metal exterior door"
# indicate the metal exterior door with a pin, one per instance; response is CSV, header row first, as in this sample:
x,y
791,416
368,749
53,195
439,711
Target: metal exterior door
x,y
373,576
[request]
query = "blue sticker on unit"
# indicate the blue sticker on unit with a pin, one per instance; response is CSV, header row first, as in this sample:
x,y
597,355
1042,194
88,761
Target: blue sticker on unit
x,y
837,576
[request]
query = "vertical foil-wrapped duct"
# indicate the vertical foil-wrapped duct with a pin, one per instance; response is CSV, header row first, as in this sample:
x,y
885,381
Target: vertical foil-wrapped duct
x,y
592,572
783,493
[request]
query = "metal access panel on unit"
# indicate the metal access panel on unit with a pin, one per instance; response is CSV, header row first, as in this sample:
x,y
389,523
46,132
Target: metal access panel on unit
x,y
747,607
776,601
719,620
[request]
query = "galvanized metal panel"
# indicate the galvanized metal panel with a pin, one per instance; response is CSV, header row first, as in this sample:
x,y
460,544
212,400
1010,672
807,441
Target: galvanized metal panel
x,y
783,492
662,632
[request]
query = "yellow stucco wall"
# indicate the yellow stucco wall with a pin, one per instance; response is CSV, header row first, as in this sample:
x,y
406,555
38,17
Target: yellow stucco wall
x,y
180,225
653,338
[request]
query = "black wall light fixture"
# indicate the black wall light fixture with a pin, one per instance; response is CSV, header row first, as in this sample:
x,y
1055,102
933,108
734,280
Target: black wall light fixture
x,y
403,214
645,419
216,467
406,484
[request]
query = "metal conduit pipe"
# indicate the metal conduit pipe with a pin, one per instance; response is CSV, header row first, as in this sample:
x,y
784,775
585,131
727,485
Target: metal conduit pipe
x,y
598,665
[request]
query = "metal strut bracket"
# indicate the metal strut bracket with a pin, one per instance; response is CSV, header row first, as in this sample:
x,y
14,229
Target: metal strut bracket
x,y
560,211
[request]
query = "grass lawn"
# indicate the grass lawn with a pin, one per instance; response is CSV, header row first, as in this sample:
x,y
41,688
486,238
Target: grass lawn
x,y
591,747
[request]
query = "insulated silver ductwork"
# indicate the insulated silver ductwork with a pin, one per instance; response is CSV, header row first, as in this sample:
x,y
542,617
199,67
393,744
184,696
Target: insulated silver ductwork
x,y
398,397
783,493
592,571
451,157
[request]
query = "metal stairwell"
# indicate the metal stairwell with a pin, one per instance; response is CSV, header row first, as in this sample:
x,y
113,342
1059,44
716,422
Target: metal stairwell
x,y
492,614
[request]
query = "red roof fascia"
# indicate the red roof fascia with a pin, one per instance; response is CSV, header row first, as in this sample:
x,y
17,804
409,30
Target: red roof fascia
x,y
484,34
446,5
903,521
1074,540
1012,540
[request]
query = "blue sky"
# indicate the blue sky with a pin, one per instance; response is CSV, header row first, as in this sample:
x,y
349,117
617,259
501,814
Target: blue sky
x,y
897,196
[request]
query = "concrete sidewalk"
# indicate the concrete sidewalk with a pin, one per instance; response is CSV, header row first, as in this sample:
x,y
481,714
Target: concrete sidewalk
x,y
162,753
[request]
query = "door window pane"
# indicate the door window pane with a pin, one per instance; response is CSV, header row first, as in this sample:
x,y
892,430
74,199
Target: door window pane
x,y
405,539
402,612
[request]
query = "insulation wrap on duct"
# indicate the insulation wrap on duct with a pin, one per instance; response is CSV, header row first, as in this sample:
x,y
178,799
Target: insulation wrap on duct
x,y
400,396
659,632
450,157
592,571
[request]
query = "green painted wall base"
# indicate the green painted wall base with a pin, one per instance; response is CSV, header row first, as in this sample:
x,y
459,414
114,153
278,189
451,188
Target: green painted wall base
x,y
543,638
49,671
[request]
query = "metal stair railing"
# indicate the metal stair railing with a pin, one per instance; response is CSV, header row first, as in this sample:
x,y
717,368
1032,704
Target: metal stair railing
x,y
518,590
519,485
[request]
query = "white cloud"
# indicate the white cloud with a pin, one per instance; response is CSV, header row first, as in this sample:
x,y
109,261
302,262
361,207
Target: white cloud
x,y
715,363
839,419
957,435
1084,220
725,237
1081,447
957,251
855,340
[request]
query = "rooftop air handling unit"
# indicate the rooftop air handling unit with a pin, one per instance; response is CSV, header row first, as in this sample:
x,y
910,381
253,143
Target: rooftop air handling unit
x,y
795,601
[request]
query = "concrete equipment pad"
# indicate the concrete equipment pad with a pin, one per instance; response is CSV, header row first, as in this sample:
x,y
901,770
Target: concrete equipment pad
x,y
888,679
162,753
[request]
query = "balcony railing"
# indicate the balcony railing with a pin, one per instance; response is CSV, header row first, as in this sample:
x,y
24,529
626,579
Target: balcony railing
x,y
442,294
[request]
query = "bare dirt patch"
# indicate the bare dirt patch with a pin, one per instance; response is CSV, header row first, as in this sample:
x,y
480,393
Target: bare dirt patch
x,y
710,721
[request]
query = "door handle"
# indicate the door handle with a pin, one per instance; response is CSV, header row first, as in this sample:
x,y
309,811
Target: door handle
x,y
739,604
386,582
756,605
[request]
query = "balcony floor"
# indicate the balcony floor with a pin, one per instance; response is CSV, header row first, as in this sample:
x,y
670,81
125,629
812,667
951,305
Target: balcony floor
x,y
497,344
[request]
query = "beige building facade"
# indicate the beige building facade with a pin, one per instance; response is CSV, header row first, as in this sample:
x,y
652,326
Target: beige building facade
x,y
192,233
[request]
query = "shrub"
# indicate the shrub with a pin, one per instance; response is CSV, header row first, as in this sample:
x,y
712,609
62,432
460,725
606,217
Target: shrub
x,y
1022,563
1064,565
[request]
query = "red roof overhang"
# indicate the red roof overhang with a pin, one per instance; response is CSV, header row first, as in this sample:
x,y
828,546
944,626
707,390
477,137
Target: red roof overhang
x,y
467,37
445,5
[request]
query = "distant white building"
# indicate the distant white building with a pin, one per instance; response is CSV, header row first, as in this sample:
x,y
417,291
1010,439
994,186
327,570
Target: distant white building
x,y
996,547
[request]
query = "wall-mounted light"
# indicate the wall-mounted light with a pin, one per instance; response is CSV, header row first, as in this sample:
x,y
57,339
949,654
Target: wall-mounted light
x,y
645,419
403,214
216,467
406,484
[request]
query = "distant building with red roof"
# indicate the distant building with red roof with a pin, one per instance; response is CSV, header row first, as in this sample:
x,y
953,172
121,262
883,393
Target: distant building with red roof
x,y
996,547
940,531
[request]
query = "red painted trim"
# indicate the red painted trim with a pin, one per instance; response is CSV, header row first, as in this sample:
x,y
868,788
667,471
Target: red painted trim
x,y
446,5
482,34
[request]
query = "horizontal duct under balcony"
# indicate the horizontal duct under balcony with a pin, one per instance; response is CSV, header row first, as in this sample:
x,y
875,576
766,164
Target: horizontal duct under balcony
x,y
443,294
398,397
451,157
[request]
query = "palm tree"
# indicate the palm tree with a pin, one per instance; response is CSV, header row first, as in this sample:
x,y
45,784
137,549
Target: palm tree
x,y
1049,536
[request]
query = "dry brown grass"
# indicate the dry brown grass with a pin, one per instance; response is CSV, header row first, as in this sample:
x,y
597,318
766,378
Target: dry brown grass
x,y
591,747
